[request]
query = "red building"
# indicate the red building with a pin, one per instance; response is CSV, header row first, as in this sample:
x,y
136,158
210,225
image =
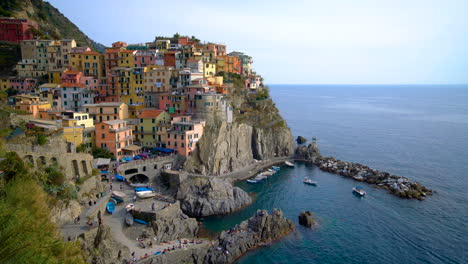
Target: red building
x,y
170,58
16,29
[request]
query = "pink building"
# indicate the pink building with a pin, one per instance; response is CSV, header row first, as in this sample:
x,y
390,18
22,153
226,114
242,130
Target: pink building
x,y
144,58
184,134
22,85
116,136
70,76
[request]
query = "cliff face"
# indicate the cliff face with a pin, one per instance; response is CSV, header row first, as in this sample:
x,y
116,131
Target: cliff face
x,y
258,132
101,247
203,197
171,223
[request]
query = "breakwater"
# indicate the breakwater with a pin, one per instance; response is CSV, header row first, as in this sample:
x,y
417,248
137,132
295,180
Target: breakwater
x,y
397,185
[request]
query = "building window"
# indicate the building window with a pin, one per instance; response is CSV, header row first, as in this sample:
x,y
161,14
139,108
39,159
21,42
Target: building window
x,y
103,135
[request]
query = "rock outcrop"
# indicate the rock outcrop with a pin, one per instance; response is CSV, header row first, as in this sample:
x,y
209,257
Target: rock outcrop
x,y
301,140
194,254
100,247
257,230
203,196
171,223
306,219
309,153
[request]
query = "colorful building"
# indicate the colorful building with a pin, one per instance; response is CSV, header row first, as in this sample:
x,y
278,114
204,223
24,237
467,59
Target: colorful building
x,y
106,111
152,128
209,69
116,137
74,96
184,134
93,64
16,29
126,58
31,104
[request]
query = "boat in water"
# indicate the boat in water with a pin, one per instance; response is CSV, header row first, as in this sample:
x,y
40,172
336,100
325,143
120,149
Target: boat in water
x,y
145,194
289,164
129,219
359,191
110,207
309,181
276,168
252,181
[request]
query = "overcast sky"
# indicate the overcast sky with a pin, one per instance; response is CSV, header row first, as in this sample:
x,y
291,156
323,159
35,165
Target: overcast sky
x,y
302,42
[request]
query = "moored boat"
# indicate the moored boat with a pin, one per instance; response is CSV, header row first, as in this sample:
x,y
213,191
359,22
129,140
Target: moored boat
x,y
359,191
252,181
140,221
110,207
119,194
289,164
276,168
119,178
118,199
309,181
142,189
145,194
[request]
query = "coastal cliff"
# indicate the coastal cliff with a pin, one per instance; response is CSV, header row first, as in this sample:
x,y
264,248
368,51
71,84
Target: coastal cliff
x,y
258,132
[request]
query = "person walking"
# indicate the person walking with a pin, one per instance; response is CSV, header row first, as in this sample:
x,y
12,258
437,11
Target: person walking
x,y
134,198
152,206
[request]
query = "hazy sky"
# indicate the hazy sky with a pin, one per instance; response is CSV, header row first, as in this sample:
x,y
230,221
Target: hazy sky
x,y
304,42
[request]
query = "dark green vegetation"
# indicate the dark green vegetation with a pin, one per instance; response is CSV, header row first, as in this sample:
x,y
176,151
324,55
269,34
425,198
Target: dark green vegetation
x,y
27,235
9,55
102,153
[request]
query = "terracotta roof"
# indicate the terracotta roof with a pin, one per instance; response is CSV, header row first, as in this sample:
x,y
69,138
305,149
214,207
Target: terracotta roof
x,y
112,50
91,53
127,51
147,113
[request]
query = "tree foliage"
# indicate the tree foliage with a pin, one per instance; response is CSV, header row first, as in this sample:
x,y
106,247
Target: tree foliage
x,y
101,153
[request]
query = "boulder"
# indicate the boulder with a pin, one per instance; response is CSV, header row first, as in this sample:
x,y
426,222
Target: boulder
x,y
306,219
204,196
301,140
171,223
309,153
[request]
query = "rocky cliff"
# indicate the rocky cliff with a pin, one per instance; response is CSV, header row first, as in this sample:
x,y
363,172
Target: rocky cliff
x,y
259,229
258,132
171,223
100,247
202,196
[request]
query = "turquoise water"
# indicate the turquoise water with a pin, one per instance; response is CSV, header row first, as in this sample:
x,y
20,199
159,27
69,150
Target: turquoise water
x,y
417,131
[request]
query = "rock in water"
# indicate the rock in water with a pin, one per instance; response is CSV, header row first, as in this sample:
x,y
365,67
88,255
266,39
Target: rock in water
x,y
306,219
171,223
202,196
309,153
257,230
301,140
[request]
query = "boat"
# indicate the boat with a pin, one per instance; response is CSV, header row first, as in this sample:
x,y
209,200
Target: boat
x,y
142,189
140,221
110,207
145,194
138,184
289,164
113,200
252,181
129,207
359,191
157,253
309,181
276,168
129,219
118,194
119,178
117,199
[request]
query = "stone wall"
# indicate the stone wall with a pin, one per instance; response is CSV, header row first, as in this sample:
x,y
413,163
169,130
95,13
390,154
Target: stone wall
x,y
150,168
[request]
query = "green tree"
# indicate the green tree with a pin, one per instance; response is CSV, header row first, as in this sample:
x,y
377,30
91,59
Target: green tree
x,y
11,166
102,153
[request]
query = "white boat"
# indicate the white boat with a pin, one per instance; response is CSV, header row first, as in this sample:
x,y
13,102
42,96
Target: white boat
x,y
129,207
359,191
118,194
276,168
252,181
309,181
145,194
289,164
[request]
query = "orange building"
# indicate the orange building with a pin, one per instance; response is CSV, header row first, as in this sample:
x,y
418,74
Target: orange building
x,y
233,64
31,104
116,136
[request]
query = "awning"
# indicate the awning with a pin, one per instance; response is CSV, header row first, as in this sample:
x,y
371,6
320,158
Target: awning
x,y
132,148
101,162
165,150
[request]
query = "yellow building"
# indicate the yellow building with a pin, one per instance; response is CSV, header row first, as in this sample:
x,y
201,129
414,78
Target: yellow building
x,y
93,64
76,61
126,58
131,87
74,135
4,83
157,79
55,76
78,119
152,129
221,64
209,69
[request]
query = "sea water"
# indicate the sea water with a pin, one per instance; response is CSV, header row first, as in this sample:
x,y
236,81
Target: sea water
x,y
420,132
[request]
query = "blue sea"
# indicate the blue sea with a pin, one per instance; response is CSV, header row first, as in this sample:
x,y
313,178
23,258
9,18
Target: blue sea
x,y
416,131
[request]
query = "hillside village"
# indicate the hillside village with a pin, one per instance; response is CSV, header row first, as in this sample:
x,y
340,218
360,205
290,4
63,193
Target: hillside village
x,y
152,98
